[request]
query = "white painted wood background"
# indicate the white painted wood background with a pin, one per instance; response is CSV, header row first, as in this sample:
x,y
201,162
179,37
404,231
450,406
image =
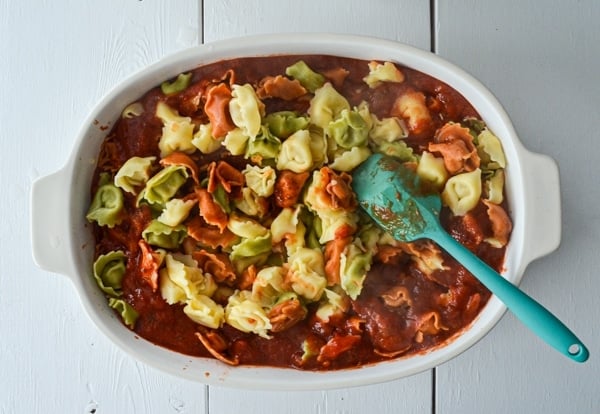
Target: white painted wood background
x,y
541,59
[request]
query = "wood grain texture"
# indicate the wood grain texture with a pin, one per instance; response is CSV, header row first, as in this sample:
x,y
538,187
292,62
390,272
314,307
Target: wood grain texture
x,y
58,59
543,63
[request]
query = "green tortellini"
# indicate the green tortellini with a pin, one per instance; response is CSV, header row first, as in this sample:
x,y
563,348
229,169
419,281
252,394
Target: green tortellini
x,y
264,145
354,265
127,312
252,248
349,130
308,78
164,185
161,235
178,85
284,123
109,270
107,204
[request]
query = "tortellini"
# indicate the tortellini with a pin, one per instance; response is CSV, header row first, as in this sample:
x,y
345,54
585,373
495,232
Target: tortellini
x,y
462,192
260,180
107,204
127,312
348,160
161,235
246,109
296,154
490,150
354,265
432,170
308,78
204,311
176,210
109,270
379,73
268,285
307,273
326,106
284,123
264,146
247,315
236,141
181,281
163,186
177,132
134,173
205,141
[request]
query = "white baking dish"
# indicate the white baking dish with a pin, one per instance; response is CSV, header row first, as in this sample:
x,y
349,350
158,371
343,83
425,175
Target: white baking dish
x,y
63,243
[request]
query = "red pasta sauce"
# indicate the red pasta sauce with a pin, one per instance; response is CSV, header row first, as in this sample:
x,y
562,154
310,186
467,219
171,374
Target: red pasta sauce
x,y
371,329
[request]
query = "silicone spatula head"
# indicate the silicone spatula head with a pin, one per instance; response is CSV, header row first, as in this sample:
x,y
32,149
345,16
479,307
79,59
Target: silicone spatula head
x,y
395,198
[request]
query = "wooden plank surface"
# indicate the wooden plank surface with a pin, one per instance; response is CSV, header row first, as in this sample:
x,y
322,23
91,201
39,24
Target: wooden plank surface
x,y
542,60
58,59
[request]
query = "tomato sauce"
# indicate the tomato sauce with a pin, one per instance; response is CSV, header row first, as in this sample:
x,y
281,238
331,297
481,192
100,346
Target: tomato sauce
x,y
370,330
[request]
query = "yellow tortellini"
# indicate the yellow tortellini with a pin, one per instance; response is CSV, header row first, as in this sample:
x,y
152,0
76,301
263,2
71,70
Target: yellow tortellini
x,y
490,150
250,203
134,173
204,311
185,273
379,73
335,303
348,160
246,315
177,132
432,170
260,180
494,187
326,106
462,192
236,141
295,154
205,141
268,285
176,211
307,273
246,109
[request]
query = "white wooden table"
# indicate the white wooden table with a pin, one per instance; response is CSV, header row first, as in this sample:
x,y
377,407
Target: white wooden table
x,y
541,59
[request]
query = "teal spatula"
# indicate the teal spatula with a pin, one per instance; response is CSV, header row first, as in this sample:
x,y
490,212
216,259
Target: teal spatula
x,y
391,194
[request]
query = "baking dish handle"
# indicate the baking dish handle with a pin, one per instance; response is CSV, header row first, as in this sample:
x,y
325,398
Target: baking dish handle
x,y
543,216
48,216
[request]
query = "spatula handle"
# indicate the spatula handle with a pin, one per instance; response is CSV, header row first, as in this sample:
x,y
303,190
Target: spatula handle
x,y
536,317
